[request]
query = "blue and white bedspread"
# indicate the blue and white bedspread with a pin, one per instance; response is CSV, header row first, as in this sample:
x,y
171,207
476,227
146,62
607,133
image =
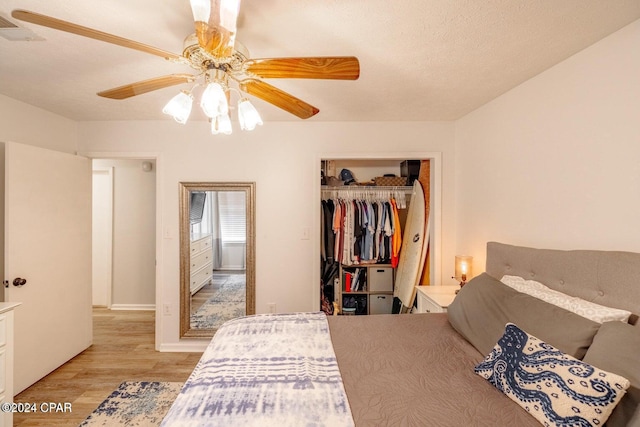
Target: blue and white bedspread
x,y
265,370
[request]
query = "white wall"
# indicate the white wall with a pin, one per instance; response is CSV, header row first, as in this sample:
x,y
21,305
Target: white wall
x,y
283,160
102,237
555,162
233,256
23,123
134,229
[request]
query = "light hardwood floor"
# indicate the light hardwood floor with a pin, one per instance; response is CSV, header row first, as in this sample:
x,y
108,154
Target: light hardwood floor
x,y
122,350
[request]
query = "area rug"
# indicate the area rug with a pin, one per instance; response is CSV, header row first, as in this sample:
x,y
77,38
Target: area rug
x,y
140,404
227,303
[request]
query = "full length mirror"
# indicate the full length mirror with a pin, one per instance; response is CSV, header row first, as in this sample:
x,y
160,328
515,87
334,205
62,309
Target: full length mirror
x,y
217,255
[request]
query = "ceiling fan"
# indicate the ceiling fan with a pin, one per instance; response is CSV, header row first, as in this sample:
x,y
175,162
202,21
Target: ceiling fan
x,y
218,59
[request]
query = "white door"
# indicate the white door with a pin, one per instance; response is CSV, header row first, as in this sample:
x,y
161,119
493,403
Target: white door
x,y
47,243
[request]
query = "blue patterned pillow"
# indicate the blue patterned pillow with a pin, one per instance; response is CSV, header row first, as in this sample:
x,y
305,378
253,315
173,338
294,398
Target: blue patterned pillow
x,y
557,389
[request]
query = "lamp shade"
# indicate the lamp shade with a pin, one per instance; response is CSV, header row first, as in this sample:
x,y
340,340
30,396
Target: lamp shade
x,y
248,116
214,100
201,10
463,266
221,124
179,107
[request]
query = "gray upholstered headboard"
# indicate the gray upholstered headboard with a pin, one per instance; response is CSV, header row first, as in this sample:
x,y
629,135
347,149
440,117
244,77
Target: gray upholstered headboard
x,y
609,278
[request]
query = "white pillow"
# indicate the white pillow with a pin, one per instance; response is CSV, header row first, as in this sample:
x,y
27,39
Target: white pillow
x,y
590,310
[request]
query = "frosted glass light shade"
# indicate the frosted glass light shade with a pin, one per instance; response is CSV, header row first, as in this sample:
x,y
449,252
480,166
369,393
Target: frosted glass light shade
x,y
248,116
179,107
224,124
201,10
221,124
214,101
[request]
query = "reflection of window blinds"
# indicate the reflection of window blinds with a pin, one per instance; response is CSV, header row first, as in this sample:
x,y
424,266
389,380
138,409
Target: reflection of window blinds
x,y
232,215
196,207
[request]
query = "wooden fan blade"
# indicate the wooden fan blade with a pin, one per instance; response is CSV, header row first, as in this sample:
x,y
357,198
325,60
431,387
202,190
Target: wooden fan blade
x,y
144,86
278,97
57,24
328,67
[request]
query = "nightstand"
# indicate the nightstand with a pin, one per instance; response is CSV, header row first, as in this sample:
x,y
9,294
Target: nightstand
x,y
435,299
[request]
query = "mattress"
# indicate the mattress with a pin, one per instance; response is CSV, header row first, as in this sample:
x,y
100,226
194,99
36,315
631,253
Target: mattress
x,y
416,370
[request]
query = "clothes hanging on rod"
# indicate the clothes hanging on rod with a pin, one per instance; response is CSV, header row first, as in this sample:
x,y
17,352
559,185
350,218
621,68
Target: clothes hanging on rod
x,y
361,226
377,193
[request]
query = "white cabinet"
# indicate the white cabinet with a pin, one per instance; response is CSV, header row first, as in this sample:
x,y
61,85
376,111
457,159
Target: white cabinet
x,y
6,360
200,262
435,299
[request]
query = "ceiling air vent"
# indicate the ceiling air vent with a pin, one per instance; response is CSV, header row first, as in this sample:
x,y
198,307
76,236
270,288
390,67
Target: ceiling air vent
x,y
11,31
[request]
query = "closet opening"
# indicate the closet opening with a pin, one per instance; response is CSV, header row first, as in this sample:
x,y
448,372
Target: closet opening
x,y
364,207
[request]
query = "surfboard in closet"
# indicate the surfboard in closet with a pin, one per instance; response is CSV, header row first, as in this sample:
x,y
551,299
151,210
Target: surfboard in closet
x,y
413,250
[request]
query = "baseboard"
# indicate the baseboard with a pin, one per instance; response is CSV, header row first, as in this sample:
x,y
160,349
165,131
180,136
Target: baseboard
x,y
145,307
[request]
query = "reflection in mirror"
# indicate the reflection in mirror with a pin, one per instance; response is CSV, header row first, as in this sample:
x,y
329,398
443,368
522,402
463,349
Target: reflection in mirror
x,y
217,265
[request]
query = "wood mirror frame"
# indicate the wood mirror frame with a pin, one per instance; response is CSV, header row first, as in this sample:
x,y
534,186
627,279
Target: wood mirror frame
x,y
186,331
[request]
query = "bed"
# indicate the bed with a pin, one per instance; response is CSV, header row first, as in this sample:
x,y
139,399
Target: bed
x,y
307,369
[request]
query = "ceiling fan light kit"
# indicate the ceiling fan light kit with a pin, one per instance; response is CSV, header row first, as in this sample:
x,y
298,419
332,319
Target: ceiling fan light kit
x,y
218,60
221,124
214,100
179,107
248,115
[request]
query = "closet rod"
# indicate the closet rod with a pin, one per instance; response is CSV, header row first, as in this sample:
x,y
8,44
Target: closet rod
x,y
370,192
371,188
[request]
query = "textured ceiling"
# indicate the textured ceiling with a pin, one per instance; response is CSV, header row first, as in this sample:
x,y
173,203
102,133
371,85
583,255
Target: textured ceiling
x,y
420,59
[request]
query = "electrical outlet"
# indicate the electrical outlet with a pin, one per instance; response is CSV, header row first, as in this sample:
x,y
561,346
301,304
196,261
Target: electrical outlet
x,y
166,309
272,307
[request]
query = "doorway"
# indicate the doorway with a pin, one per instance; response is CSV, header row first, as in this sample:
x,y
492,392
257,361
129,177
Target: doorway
x,y
124,223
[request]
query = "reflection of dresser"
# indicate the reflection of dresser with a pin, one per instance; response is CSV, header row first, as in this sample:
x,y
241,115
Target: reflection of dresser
x,y
201,262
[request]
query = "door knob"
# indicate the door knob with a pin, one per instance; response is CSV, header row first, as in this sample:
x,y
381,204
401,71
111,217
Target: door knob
x,y
19,282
